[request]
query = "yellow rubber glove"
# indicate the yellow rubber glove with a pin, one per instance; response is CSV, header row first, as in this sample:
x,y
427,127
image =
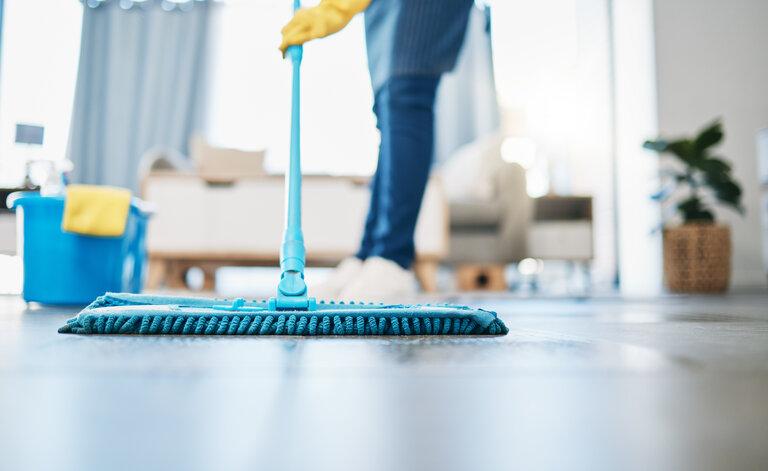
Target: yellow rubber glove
x,y
328,17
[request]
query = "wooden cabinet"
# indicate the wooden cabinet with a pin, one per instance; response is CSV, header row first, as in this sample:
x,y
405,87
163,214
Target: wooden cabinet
x,y
212,224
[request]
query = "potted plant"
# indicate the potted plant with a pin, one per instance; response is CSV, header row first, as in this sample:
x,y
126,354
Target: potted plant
x,y
697,252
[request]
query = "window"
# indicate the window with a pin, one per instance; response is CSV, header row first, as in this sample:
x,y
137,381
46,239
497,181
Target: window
x,y
552,65
38,70
250,91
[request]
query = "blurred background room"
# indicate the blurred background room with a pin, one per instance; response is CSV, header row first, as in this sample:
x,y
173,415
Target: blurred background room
x,y
540,186
600,181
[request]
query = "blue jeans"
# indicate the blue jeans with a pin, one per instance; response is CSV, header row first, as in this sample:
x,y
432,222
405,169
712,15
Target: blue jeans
x,y
404,108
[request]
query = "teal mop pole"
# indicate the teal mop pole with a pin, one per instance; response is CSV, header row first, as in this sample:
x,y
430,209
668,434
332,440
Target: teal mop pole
x,y
292,290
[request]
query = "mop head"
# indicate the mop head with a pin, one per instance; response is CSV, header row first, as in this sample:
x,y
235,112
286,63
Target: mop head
x,y
121,313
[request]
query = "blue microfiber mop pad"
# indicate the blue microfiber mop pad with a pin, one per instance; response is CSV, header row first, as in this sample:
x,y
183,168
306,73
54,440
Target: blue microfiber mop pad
x,y
121,313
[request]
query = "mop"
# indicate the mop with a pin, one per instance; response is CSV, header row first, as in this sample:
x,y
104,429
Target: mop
x,y
291,311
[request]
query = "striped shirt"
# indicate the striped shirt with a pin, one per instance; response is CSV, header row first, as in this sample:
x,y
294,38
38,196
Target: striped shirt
x,y
413,37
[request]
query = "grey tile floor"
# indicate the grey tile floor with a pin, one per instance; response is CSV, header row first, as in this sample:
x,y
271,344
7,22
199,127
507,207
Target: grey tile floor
x,y
668,384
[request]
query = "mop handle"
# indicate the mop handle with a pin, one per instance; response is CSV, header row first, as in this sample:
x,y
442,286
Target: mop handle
x,y
293,182
292,252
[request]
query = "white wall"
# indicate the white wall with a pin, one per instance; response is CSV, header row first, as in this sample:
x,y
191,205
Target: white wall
x,y
637,173
712,60
41,44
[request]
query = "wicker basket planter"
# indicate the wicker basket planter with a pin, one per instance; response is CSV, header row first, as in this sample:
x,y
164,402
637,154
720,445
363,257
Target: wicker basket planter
x,y
697,258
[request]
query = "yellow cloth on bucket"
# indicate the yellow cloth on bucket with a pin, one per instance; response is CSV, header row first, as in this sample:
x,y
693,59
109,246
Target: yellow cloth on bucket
x,y
96,210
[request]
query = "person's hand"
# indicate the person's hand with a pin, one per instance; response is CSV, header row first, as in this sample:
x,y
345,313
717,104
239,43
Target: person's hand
x,y
329,17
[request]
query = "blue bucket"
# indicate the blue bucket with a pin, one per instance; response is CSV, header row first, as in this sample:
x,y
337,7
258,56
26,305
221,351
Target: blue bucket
x,y
66,268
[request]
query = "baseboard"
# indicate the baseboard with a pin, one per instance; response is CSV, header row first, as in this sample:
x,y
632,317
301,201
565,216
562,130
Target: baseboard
x,y
748,279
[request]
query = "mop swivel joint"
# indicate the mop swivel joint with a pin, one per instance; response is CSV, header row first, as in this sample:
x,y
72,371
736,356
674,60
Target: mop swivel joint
x,y
292,294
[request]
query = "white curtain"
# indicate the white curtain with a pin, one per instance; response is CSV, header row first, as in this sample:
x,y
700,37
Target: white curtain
x,y
467,107
140,85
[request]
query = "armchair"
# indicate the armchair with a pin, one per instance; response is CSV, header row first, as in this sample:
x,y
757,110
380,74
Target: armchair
x,y
489,231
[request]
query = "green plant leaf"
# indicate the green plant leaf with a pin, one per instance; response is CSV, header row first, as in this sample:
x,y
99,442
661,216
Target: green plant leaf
x,y
704,215
691,204
729,193
709,137
703,171
717,179
657,146
714,165
683,149
722,182
692,210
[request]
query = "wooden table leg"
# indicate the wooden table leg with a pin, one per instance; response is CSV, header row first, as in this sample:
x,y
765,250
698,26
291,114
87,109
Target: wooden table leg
x,y
475,277
177,272
209,277
157,271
